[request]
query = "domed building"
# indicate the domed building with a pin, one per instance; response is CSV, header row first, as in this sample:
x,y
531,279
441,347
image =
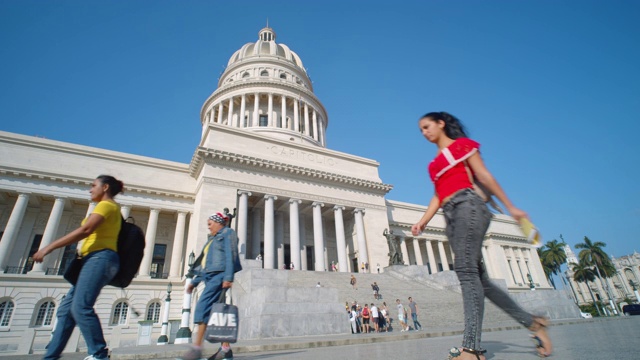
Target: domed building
x,y
263,155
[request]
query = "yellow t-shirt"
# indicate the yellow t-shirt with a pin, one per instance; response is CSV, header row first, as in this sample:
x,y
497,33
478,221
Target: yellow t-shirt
x,y
105,236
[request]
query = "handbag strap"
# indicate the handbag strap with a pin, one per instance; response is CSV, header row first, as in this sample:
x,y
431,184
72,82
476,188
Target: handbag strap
x,y
222,299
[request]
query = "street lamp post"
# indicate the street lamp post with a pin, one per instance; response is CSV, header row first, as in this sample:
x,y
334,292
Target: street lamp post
x,y
184,333
531,285
163,339
635,289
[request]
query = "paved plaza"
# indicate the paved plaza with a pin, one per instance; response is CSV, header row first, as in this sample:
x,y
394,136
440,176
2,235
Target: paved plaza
x,y
597,339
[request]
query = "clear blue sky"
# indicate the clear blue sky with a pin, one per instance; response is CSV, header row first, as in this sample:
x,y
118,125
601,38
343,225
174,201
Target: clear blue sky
x,y
550,88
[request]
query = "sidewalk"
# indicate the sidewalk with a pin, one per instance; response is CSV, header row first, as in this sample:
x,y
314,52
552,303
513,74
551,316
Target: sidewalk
x,y
305,342
158,352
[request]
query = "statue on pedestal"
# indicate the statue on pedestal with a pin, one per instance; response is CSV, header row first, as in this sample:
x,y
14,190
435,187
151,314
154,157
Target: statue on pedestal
x,y
395,255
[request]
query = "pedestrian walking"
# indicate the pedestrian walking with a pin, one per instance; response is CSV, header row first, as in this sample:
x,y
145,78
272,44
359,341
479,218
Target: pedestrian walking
x,y
402,316
413,307
220,261
353,282
100,263
467,217
378,267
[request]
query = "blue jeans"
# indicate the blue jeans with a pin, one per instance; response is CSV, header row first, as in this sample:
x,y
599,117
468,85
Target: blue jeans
x,y
77,306
210,295
468,219
416,323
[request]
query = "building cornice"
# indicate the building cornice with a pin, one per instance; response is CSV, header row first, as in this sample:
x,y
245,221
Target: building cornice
x,y
215,156
82,181
87,151
291,194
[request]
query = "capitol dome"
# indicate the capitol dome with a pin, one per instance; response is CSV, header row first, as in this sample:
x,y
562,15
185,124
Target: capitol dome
x,y
266,45
265,89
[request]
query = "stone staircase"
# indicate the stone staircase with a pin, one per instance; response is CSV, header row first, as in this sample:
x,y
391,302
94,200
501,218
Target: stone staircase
x,y
438,306
281,303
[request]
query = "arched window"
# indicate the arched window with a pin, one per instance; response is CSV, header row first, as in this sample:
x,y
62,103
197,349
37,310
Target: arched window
x,y
245,75
120,313
153,311
6,311
283,76
45,314
264,73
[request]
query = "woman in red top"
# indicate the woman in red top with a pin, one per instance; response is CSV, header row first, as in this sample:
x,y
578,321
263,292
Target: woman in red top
x,y
468,218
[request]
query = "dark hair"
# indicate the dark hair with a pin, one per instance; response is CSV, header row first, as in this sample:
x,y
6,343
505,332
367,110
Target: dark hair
x,y
453,127
115,186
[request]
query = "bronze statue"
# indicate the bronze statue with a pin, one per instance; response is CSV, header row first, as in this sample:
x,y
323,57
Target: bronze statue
x,y
395,255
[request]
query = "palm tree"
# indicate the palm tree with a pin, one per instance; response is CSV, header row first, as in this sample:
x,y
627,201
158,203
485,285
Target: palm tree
x,y
593,254
583,272
552,256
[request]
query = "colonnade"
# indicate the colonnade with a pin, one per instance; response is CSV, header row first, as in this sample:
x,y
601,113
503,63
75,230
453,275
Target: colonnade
x,y
273,234
280,111
15,222
418,255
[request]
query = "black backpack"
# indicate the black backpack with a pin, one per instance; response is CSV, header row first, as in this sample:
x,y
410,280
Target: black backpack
x,y
130,250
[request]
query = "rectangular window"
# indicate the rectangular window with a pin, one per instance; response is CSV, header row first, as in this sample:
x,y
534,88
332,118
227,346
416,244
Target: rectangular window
x,y
263,120
157,262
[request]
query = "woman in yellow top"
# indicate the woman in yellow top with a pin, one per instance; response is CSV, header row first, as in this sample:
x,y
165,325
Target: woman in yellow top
x,y
100,264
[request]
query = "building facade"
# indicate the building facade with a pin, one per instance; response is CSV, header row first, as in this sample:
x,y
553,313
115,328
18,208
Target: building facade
x,y
263,155
620,288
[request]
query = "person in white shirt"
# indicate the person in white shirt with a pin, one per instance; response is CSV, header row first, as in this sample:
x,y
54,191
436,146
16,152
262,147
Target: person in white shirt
x,y
375,315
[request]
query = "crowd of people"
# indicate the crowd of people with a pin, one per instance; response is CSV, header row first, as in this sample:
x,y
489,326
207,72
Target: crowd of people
x,y
368,318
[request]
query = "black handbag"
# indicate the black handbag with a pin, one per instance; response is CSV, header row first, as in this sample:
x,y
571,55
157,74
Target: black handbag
x,y
223,323
73,270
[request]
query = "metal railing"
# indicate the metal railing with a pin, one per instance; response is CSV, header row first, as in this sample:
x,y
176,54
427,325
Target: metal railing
x,y
16,269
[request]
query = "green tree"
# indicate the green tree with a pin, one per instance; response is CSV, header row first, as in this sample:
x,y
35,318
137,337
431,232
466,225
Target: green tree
x,y
593,254
552,256
583,272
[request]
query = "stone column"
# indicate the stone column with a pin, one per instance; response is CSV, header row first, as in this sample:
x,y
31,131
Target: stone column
x,y
12,228
280,239
363,255
443,256
230,121
417,251
320,131
314,119
536,265
178,244
270,121
303,243
318,236
405,252
256,107
125,210
150,238
296,116
283,115
243,220
433,265
487,263
306,119
294,233
341,242
255,233
220,108
50,232
243,106
269,224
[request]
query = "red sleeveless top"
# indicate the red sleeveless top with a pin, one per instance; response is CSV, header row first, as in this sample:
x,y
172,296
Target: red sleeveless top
x,y
448,171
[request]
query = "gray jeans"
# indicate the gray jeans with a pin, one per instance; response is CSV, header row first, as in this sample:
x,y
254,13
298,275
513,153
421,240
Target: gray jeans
x,y
468,219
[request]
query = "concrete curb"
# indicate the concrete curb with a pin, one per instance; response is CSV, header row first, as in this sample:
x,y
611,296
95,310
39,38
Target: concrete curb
x,y
297,343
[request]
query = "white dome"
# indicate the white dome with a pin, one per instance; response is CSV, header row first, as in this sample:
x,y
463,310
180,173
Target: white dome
x,y
266,46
